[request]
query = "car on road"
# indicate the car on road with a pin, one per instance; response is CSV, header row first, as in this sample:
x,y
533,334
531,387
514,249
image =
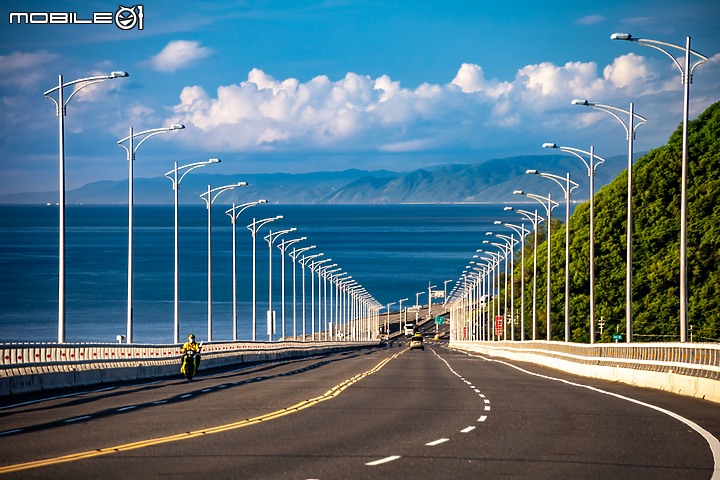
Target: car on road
x,y
417,342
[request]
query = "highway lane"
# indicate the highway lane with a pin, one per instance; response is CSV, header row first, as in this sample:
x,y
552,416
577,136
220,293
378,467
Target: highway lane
x,y
436,413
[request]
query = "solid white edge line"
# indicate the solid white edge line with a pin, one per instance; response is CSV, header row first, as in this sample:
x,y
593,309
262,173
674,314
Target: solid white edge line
x,y
383,460
437,442
713,442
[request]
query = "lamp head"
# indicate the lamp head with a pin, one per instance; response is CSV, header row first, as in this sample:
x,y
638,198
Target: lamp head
x,y
486,241
214,160
622,36
549,145
532,172
118,74
497,222
581,101
177,126
262,201
518,192
242,184
279,217
508,209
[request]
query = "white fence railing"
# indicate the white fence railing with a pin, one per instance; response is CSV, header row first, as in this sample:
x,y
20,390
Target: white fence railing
x,y
692,359
28,358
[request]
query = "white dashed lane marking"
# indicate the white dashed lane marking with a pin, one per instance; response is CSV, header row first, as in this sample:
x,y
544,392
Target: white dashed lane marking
x,y
383,460
437,442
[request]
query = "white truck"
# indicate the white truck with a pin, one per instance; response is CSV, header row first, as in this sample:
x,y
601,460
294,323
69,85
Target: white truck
x,y
409,328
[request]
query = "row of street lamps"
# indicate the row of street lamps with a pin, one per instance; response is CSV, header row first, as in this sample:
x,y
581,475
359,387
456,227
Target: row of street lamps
x,y
357,301
474,288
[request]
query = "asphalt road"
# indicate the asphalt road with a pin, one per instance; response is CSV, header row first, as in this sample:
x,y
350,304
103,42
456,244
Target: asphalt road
x,y
382,413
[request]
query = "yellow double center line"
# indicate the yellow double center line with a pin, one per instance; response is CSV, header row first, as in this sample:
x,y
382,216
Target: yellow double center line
x,y
332,393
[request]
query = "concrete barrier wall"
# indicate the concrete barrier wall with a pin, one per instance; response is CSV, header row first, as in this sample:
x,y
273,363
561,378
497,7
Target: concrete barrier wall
x,y
28,368
686,369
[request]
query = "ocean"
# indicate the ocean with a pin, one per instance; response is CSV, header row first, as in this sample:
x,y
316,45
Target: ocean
x,y
394,251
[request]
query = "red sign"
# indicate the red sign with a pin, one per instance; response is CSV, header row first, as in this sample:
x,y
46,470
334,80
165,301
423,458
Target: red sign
x,y
498,325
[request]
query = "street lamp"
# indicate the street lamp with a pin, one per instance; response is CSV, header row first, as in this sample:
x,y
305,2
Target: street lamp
x,y
283,245
567,186
548,209
60,111
254,227
131,148
303,261
234,213
591,166
630,128
294,255
507,249
323,273
535,220
315,266
522,232
445,292
400,320
270,238
430,287
686,73
387,320
173,176
210,196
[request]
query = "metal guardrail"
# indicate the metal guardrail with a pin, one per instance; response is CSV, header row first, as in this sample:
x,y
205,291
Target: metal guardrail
x,y
690,359
25,358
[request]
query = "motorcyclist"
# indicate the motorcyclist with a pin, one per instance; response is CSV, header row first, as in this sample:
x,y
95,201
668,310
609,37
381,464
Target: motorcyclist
x,y
192,345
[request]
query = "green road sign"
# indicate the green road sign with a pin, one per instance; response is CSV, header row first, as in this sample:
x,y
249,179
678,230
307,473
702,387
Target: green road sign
x,y
440,320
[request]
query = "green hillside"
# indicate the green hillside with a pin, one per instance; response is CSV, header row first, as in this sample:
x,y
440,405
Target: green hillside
x,y
656,212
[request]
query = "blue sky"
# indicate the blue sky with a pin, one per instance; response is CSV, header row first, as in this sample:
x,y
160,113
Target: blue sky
x,y
296,86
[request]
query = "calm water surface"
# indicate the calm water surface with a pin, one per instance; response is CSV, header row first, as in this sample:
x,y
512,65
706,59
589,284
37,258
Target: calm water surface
x,y
394,251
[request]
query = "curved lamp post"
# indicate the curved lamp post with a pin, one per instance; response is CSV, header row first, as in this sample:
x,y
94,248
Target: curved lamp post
x,y
315,267
254,227
494,260
130,149
686,72
323,273
535,220
522,232
591,164
283,245
630,128
270,238
294,255
175,179
210,196
60,111
234,213
567,186
548,209
303,261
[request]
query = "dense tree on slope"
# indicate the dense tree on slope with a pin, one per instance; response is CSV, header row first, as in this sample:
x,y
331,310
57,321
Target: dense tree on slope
x,y
656,270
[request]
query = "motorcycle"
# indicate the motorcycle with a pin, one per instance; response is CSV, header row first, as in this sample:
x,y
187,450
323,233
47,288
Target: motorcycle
x,y
190,363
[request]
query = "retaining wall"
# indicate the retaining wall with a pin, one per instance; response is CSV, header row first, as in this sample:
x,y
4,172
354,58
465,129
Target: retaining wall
x,y
686,369
29,367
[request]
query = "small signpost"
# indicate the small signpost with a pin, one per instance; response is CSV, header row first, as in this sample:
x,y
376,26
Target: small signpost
x,y
498,325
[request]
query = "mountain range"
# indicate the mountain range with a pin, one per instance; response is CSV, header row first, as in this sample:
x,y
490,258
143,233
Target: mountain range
x,y
491,181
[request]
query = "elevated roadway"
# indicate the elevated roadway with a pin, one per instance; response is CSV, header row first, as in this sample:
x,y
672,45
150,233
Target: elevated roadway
x,y
379,413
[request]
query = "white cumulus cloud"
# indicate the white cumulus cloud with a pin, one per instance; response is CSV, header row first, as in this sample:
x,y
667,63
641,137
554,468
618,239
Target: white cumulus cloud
x,y
359,113
178,54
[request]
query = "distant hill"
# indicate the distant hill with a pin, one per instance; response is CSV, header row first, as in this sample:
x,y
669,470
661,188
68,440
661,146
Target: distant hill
x,y
487,182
